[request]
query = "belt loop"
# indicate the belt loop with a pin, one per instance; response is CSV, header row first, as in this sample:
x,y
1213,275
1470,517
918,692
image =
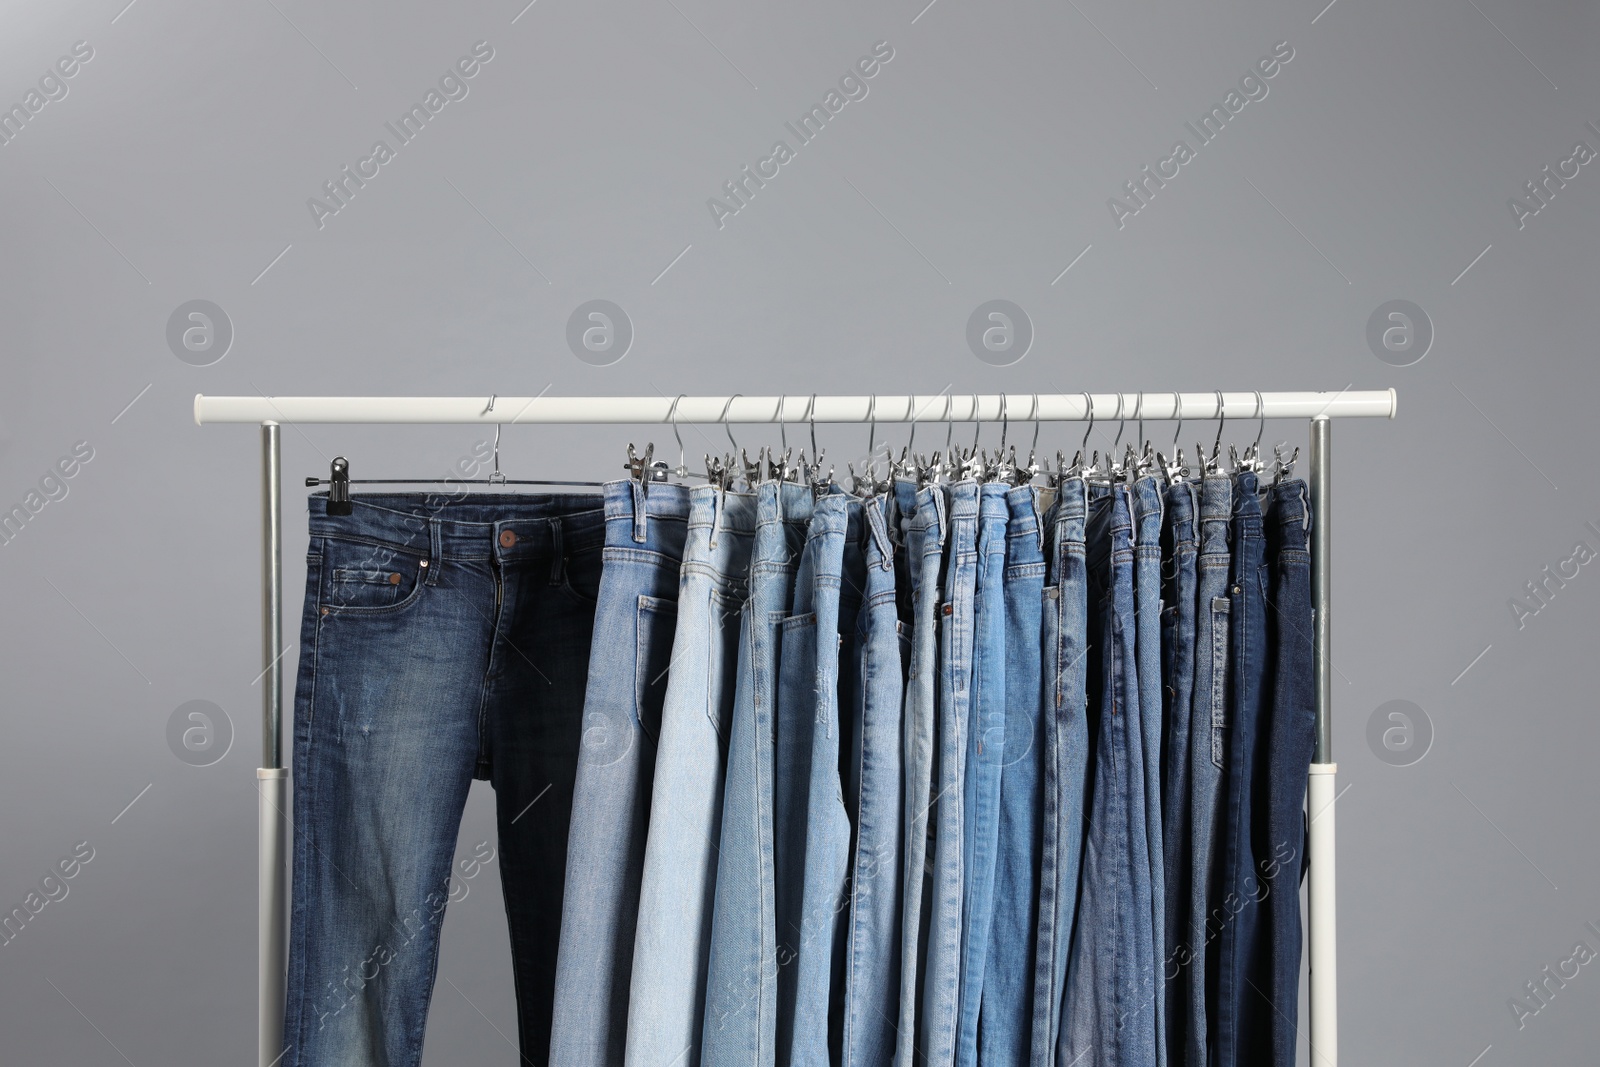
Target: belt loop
x,y
880,533
641,512
941,512
1038,520
557,559
435,552
719,500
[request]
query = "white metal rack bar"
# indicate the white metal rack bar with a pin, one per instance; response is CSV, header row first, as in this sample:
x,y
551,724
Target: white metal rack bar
x,y
271,412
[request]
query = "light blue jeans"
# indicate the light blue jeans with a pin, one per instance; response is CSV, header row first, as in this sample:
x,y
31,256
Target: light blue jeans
x,y
924,524
1005,1026
1148,508
812,822
986,746
874,788
634,623
1066,761
942,982
674,923
741,1000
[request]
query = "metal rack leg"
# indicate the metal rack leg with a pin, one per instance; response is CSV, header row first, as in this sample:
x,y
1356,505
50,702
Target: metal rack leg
x,y
271,778
1321,793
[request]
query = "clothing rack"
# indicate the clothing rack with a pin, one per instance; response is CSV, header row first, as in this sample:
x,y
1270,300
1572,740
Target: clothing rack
x,y
273,412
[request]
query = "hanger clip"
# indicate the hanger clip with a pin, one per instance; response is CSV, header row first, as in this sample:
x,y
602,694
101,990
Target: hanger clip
x,y
339,486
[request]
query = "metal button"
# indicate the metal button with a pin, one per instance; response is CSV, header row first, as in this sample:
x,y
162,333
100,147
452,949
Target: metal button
x,y
507,538
394,579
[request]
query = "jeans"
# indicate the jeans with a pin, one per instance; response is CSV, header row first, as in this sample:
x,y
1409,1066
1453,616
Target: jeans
x,y
1242,1015
1180,543
1110,999
669,964
741,1000
1289,747
813,823
444,638
924,525
1006,1023
986,747
876,784
942,980
633,641
1147,513
1065,649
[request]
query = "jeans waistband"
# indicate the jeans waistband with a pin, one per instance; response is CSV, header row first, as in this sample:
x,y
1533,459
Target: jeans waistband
x,y
631,504
467,526
726,512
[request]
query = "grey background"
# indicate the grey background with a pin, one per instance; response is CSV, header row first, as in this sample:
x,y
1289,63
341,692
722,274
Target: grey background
x,y
978,167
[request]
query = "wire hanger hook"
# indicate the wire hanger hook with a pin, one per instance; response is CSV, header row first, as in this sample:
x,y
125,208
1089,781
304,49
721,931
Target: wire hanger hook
x,y
672,416
726,427
1177,406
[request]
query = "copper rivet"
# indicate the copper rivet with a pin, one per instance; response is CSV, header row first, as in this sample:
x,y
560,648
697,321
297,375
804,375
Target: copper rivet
x,y
394,579
324,611
507,538
949,609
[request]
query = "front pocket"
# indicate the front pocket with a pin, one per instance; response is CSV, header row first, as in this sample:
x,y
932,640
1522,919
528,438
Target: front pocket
x,y
656,622
369,578
1220,617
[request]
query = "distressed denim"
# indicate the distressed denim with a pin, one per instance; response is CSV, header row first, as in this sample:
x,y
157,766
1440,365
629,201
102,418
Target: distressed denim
x,y
1242,1015
924,525
1065,663
633,643
1006,1023
445,637
1109,1014
670,944
986,747
1208,761
1180,543
814,827
875,789
942,980
741,1000
1147,513
1289,748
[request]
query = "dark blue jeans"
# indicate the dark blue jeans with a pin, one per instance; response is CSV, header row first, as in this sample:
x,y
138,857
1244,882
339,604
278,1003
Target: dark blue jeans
x,y
1242,1013
444,638
1180,543
1111,978
1289,747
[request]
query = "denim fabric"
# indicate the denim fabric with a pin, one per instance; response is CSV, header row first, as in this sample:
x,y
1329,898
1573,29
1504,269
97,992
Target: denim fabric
x,y
633,644
1109,1014
670,945
942,980
1289,747
924,525
746,960
1180,543
1006,1023
1065,649
1147,513
1208,747
810,807
444,637
1242,1016
875,782
986,747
